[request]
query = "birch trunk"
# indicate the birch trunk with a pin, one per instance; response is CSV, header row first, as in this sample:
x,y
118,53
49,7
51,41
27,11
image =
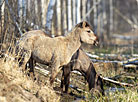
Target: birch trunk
x,y
78,11
36,14
111,17
49,16
95,15
104,13
24,3
69,16
59,17
2,13
99,19
20,11
74,11
64,16
88,8
44,10
39,13
2,22
0,8
84,9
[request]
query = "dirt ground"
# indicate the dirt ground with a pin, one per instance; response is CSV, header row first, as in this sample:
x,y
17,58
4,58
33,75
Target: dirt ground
x,y
15,86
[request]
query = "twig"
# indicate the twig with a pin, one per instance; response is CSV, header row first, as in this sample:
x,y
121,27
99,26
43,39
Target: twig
x,y
42,71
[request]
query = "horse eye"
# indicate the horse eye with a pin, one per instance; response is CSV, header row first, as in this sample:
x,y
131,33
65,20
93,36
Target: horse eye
x,y
88,31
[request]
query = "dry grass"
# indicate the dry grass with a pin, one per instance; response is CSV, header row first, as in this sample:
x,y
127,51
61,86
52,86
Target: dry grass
x,y
15,86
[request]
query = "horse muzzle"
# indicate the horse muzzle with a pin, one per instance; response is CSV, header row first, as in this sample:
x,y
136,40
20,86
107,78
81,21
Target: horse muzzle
x,y
96,42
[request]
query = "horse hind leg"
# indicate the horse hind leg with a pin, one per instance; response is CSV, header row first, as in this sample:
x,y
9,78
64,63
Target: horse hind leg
x,y
65,79
26,58
31,68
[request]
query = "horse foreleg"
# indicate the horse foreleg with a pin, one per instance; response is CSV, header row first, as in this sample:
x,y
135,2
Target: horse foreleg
x,y
55,71
65,78
62,80
67,81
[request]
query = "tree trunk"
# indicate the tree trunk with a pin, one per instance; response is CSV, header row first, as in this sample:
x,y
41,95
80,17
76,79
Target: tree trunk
x,y
2,21
49,16
95,16
69,16
20,11
39,15
58,17
64,17
13,17
74,12
78,11
111,17
88,8
24,3
44,5
83,9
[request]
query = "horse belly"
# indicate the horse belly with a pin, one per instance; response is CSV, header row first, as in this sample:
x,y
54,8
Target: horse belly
x,y
41,57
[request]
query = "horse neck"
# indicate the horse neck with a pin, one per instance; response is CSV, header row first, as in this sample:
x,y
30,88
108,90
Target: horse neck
x,y
73,41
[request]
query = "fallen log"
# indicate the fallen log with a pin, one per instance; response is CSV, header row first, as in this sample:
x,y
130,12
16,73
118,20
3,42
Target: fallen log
x,y
112,81
116,82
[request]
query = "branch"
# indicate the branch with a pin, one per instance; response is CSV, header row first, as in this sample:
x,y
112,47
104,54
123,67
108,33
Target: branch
x,y
126,19
88,13
116,82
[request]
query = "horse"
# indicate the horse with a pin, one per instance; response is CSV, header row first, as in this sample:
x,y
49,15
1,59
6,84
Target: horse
x,y
55,52
82,63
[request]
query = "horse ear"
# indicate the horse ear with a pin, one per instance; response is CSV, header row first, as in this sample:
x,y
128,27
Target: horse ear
x,y
87,24
83,24
80,25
